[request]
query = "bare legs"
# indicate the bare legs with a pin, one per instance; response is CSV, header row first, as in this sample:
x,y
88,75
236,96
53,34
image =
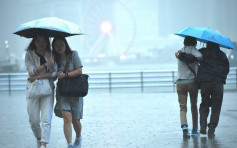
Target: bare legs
x,y
67,127
77,127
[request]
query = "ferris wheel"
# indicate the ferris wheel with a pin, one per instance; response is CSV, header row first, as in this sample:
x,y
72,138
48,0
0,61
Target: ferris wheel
x,y
110,28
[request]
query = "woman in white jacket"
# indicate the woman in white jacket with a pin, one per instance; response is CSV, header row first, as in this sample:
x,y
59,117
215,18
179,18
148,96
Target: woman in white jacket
x,y
39,65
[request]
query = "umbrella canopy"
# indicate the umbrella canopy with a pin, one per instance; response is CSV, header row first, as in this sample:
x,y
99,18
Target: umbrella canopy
x,y
51,26
205,34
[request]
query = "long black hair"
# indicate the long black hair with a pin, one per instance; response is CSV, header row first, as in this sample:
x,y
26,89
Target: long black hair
x,y
32,47
57,56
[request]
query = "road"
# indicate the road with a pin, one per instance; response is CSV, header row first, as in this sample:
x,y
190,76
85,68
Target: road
x,y
126,120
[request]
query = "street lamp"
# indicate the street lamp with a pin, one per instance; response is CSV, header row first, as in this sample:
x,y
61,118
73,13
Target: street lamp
x,y
6,43
7,46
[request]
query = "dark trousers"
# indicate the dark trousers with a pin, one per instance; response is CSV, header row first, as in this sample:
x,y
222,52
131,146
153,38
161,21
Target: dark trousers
x,y
212,96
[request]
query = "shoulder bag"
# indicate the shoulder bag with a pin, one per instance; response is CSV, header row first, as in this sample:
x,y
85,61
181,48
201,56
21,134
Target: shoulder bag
x,y
39,88
73,86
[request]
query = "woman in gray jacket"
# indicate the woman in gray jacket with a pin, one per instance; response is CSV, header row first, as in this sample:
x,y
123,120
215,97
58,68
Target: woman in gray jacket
x,y
185,84
70,108
39,65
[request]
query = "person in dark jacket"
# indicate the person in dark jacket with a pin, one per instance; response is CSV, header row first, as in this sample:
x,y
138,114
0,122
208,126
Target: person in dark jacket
x,y
212,73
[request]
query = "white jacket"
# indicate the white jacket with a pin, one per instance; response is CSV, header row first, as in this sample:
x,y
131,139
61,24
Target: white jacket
x,y
32,60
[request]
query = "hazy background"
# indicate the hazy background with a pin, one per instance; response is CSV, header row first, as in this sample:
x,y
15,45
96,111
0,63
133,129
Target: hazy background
x,y
141,35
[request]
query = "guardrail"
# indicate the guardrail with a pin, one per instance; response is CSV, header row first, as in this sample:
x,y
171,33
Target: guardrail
x,y
141,81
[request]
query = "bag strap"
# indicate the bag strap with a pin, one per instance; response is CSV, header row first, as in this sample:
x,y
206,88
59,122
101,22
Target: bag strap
x,y
191,70
69,59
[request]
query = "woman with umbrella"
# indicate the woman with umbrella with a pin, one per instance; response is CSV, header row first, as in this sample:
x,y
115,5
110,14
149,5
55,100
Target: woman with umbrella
x,y
71,108
40,48
38,61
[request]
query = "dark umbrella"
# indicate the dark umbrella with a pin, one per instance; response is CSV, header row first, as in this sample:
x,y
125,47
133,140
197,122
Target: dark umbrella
x,y
51,26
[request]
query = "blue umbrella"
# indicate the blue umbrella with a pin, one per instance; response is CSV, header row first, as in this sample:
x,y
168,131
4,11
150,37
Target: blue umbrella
x,y
205,34
51,26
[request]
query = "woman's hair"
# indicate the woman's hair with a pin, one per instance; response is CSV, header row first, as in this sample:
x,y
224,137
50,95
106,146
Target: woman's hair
x,y
212,45
32,46
190,41
57,56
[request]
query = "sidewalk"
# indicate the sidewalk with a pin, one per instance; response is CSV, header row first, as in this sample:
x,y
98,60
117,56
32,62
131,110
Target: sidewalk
x,y
149,120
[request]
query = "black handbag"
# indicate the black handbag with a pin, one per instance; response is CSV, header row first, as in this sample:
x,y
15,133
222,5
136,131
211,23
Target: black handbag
x,y
73,86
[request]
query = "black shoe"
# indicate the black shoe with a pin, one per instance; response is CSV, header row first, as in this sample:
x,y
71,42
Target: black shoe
x,y
203,131
211,135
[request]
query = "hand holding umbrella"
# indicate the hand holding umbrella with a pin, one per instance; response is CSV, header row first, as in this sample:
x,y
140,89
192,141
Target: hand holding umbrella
x,y
50,61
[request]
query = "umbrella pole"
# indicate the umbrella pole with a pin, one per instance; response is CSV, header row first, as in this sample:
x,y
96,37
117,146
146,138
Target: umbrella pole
x,y
51,51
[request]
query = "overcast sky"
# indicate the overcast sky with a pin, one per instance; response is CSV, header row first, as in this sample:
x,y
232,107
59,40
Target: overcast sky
x,y
137,26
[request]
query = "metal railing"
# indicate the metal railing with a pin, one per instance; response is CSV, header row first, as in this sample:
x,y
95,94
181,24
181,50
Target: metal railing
x,y
141,81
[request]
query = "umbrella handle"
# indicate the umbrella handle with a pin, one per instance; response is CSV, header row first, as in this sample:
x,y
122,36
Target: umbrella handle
x,y
52,56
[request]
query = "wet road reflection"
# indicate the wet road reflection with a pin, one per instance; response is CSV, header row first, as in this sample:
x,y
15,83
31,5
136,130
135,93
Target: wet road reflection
x,y
201,141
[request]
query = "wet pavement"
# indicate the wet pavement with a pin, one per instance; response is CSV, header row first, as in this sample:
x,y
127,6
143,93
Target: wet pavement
x,y
127,120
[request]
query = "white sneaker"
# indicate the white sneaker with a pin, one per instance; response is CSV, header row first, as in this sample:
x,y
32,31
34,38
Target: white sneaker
x,y
70,145
77,143
42,146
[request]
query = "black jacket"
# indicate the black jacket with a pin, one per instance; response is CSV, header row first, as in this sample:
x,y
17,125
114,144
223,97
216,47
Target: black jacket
x,y
187,58
214,67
